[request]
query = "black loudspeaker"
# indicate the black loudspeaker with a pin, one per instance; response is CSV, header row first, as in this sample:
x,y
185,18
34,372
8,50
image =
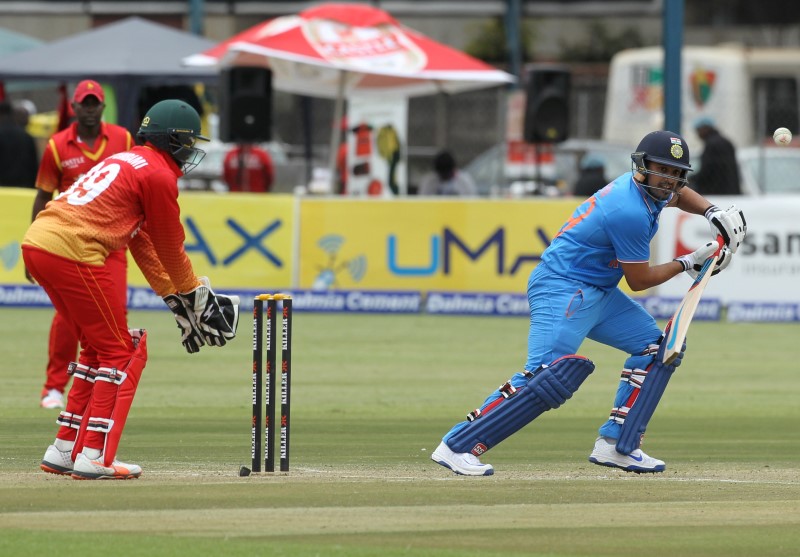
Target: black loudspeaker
x,y
245,105
547,105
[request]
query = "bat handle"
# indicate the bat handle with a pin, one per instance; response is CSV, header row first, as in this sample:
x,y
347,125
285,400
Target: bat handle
x,y
720,243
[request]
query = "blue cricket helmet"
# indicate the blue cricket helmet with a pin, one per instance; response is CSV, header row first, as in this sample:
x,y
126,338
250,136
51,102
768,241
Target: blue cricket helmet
x,y
663,147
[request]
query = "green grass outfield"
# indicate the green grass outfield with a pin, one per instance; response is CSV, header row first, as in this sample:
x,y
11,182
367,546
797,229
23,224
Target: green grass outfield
x,y
372,397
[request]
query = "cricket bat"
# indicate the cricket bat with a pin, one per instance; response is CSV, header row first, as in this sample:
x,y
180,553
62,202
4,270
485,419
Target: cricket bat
x,y
678,324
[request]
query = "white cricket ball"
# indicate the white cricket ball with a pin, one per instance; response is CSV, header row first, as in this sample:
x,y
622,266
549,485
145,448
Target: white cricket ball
x,y
782,136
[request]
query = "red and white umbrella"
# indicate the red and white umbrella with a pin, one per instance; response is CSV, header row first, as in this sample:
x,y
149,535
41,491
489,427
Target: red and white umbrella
x,y
332,49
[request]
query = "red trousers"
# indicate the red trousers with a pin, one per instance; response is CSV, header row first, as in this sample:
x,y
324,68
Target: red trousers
x,y
63,345
87,297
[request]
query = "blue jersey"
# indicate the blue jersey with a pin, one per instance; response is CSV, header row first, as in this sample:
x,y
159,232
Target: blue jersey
x,y
613,226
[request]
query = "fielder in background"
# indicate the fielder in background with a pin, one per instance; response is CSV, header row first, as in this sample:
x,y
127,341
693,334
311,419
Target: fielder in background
x,y
446,178
248,168
592,177
573,294
719,169
18,156
130,199
69,155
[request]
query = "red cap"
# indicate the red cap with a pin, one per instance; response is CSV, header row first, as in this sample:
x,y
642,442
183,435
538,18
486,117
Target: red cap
x,y
88,87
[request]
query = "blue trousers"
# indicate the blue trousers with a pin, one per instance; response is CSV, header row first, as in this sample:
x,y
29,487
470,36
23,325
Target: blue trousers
x,y
564,312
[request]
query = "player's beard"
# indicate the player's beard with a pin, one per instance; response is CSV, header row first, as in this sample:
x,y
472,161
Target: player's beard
x,y
663,189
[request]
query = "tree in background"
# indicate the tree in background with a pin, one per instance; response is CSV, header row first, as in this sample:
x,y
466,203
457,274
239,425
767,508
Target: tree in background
x,y
490,43
600,44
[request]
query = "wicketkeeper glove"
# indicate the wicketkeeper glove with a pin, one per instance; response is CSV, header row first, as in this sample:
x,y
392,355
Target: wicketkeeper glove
x,y
230,311
190,337
729,224
693,262
205,309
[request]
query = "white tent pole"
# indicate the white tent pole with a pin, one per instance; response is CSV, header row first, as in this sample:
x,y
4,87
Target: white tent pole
x,y
338,110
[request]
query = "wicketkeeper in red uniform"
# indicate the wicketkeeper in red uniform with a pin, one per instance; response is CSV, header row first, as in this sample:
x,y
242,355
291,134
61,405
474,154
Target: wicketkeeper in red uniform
x,y
130,199
69,155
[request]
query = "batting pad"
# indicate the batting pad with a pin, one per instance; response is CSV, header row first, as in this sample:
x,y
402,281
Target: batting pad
x,y
548,387
643,407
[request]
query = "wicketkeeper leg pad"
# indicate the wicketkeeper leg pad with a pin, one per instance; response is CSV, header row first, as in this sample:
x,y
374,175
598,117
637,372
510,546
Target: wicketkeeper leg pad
x,y
77,400
127,390
547,387
643,400
127,381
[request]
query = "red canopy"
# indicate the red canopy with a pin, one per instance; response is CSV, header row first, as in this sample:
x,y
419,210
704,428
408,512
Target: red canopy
x,y
331,49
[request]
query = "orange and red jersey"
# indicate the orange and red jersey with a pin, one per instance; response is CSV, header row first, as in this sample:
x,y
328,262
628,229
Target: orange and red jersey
x,y
66,158
130,199
256,173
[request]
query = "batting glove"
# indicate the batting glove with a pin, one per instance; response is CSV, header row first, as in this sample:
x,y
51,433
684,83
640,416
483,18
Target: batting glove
x,y
725,258
190,337
693,262
729,224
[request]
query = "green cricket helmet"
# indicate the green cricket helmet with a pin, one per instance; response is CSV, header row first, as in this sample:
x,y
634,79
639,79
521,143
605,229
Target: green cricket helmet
x,y
174,126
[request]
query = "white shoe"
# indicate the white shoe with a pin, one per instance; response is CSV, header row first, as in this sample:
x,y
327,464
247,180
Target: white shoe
x,y
57,462
466,464
605,453
53,399
87,469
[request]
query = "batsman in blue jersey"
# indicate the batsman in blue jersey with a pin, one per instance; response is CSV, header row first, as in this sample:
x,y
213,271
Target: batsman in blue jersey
x,y
573,295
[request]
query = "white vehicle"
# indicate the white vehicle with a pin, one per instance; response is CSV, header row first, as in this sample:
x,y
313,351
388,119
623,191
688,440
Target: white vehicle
x,y
749,92
490,170
764,170
769,170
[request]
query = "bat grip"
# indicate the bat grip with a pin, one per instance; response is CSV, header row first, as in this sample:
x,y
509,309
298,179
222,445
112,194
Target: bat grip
x,y
720,243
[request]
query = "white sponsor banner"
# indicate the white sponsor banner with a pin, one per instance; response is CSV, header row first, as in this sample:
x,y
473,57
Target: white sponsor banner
x,y
765,269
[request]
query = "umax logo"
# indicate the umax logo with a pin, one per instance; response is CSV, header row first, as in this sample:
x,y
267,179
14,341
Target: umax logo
x,y
442,249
